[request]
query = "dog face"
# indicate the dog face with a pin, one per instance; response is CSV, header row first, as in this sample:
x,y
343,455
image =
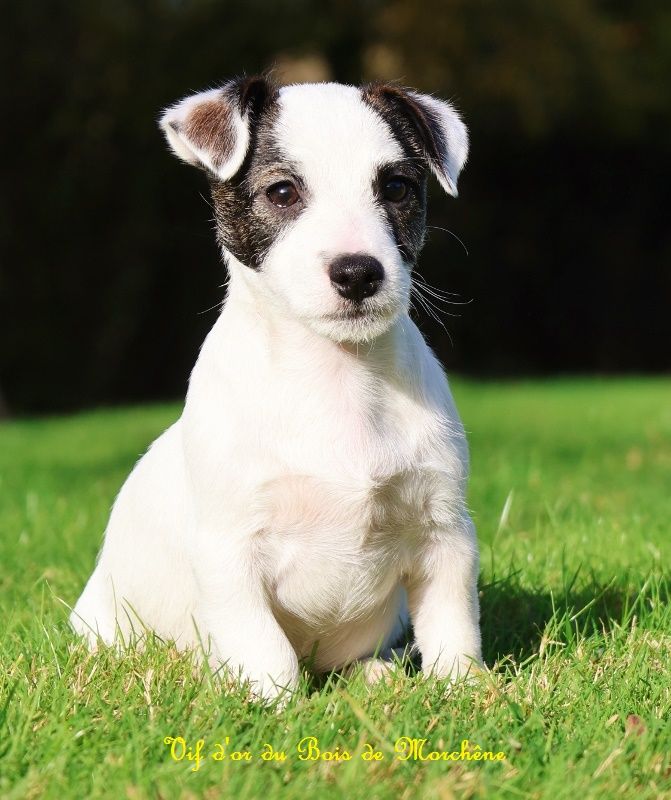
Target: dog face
x,y
320,191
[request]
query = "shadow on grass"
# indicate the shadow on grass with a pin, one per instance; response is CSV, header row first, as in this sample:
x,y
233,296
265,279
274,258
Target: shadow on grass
x,y
514,618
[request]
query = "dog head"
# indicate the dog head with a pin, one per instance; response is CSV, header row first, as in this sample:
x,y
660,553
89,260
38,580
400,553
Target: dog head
x,y
320,191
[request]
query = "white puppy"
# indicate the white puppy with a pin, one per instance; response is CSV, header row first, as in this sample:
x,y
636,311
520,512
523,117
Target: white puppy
x,y
312,493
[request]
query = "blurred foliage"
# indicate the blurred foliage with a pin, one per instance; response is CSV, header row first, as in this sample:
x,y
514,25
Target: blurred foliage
x,y
535,68
107,261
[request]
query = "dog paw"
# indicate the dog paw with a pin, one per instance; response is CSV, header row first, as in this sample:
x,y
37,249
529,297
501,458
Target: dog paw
x,y
374,669
457,669
377,669
261,686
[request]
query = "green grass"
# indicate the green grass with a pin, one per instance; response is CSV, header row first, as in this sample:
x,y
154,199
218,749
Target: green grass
x,y
571,492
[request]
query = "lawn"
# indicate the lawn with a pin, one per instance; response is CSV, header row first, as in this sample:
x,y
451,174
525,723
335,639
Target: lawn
x,y
571,493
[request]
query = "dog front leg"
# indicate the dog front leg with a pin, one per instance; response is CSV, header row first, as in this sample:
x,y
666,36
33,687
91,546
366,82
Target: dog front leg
x,y
237,628
443,602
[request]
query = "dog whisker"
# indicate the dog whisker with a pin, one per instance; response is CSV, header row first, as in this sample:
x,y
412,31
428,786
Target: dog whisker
x,y
436,289
433,312
434,304
218,305
440,294
206,201
447,230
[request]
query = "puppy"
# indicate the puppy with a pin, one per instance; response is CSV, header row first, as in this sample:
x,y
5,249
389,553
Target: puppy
x,y
310,501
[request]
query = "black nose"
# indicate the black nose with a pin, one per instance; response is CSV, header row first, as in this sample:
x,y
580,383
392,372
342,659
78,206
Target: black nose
x,y
356,276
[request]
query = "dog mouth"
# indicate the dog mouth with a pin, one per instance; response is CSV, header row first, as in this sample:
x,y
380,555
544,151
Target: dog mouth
x,y
357,322
360,311
355,312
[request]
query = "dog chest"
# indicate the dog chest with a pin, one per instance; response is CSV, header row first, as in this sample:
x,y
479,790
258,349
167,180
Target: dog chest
x,y
334,550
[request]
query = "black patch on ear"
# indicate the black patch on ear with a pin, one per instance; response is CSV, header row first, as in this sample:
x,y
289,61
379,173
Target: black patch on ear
x,y
255,94
414,125
246,223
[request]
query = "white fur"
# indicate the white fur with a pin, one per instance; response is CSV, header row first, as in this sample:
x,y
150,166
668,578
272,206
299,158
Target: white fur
x,y
339,142
313,491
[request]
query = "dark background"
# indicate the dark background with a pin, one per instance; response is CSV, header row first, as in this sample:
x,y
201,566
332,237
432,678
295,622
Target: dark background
x,y
108,263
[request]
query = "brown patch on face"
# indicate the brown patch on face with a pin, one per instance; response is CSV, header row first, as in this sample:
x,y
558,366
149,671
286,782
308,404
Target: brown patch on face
x,y
210,127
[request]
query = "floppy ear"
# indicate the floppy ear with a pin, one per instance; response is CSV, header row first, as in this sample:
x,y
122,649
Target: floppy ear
x,y
212,129
433,126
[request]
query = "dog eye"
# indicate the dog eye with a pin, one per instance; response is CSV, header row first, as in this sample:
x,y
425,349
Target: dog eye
x,y
283,194
395,189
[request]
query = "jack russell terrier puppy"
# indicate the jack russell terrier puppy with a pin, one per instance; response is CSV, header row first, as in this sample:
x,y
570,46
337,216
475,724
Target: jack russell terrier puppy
x,y
310,501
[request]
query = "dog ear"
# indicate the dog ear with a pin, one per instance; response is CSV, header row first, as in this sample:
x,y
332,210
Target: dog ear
x,y
433,127
212,129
